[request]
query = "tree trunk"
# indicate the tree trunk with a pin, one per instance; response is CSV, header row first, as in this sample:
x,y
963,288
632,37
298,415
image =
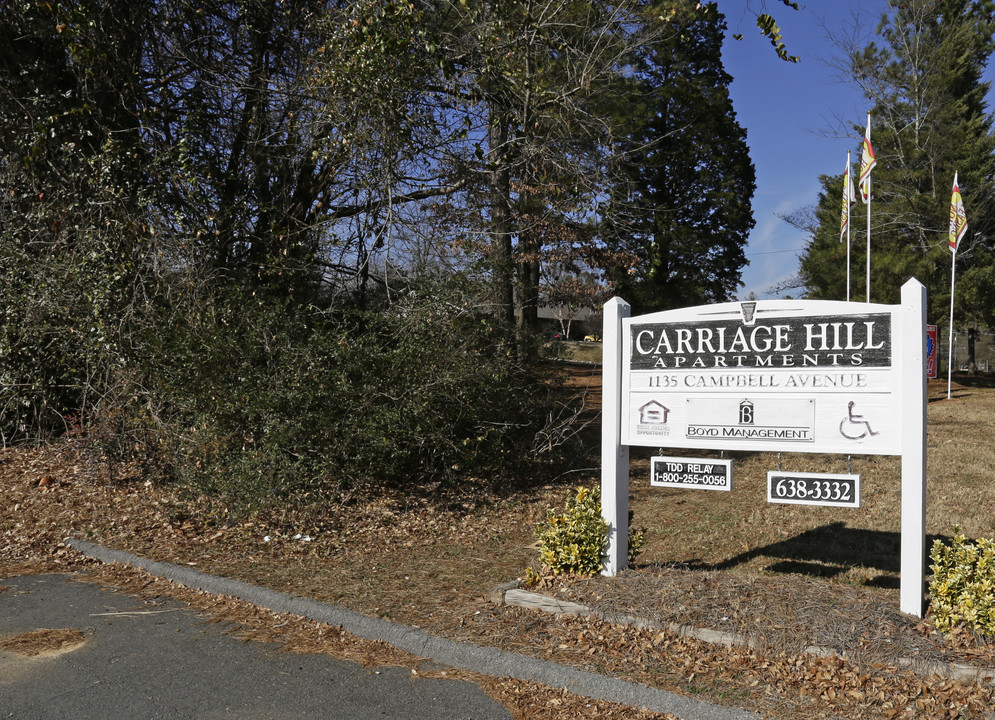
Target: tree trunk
x,y
529,249
972,366
500,191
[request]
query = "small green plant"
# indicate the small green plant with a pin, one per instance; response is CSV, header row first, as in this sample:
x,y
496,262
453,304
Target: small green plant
x,y
963,586
637,538
575,541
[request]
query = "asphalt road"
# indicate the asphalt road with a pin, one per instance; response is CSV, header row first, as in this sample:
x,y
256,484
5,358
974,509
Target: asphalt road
x,y
139,665
140,662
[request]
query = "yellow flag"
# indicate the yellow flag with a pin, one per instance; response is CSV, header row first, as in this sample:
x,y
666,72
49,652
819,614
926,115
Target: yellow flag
x,y
958,218
867,163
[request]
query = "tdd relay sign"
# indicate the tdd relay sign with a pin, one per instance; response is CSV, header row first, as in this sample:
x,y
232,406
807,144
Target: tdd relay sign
x,y
700,474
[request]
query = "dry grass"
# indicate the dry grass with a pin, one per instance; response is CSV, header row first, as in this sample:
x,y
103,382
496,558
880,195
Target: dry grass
x,y
430,559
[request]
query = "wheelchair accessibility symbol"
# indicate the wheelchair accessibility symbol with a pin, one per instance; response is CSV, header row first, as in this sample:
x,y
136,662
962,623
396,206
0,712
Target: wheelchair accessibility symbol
x,y
854,427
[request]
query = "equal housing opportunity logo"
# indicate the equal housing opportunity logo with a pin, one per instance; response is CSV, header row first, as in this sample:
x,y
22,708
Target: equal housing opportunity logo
x,y
653,417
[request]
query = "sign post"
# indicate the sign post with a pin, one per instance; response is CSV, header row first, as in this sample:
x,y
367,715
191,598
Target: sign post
x,y
777,375
914,396
614,455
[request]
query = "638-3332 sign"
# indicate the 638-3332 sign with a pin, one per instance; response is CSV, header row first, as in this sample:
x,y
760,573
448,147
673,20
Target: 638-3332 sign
x,y
797,488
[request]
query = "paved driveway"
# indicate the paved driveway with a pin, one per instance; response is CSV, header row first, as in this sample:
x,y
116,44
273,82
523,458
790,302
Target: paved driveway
x,y
138,662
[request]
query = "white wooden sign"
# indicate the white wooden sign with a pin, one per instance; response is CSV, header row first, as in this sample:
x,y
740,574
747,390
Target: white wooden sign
x,y
770,375
794,376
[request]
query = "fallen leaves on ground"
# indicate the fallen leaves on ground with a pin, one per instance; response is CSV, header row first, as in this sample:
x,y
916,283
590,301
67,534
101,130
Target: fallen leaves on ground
x,y
430,559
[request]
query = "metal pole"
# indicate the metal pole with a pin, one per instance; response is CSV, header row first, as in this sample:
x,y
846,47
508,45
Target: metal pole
x,y
868,237
848,224
950,332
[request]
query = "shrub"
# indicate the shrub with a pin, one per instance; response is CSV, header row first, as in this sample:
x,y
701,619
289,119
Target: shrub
x,y
299,400
576,540
962,589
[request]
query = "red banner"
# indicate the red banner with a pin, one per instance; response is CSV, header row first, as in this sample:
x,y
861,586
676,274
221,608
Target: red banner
x,y
932,343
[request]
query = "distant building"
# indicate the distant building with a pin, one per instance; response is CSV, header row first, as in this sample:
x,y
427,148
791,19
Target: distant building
x,y
573,322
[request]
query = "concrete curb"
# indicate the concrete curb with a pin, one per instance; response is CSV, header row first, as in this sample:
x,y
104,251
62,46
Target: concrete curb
x,y
483,660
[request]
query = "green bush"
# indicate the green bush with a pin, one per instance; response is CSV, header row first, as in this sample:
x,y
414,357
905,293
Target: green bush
x,y
576,540
296,400
962,589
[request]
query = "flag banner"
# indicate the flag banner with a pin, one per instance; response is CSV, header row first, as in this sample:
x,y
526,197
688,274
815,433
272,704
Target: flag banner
x,y
867,163
932,359
958,218
849,198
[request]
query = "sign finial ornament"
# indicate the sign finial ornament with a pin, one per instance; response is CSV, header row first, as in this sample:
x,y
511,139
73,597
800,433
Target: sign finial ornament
x,y
748,309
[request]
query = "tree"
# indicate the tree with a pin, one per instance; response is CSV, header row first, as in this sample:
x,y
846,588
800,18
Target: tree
x,y
929,121
685,209
517,94
540,70
205,210
76,252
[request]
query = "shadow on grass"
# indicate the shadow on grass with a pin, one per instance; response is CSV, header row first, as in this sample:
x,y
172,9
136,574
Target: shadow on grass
x,y
980,380
962,384
831,550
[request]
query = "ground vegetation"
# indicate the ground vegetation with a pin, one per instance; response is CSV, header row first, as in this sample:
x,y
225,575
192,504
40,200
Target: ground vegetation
x,y
272,248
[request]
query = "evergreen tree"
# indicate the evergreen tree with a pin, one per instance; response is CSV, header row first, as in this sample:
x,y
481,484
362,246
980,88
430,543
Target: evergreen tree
x,y
685,212
929,120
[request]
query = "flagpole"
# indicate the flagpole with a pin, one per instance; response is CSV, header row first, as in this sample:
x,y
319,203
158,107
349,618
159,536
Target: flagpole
x,y
958,227
847,201
867,163
868,233
950,339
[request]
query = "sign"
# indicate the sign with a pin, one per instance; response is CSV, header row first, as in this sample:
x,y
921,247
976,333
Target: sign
x,y
809,375
932,343
696,473
802,376
798,488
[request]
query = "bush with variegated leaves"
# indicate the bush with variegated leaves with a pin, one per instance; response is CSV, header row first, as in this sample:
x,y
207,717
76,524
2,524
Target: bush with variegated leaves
x,y
963,586
576,540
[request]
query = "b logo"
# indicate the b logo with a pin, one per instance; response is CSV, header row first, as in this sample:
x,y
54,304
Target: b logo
x,y
746,413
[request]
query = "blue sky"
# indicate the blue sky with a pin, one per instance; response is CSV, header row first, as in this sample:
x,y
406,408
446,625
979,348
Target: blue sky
x,y
787,110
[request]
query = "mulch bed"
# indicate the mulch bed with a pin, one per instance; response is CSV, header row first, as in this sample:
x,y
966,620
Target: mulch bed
x,y
777,614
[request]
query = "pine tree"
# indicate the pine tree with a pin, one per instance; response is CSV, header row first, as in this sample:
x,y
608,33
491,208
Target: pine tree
x,y
686,211
929,120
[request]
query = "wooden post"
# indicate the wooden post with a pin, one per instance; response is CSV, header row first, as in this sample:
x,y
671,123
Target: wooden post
x,y
614,456
913,391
